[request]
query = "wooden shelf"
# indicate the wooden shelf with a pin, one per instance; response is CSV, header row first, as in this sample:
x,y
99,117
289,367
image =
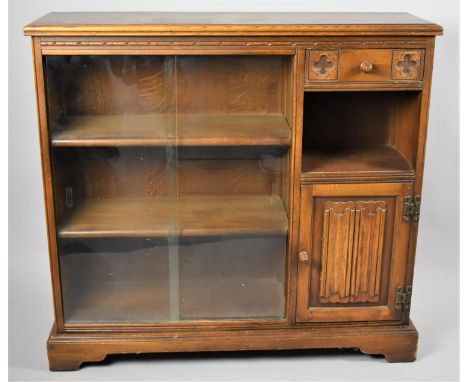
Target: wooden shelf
x,y
148,302
118,302
205,216
162,130
231,299
367,162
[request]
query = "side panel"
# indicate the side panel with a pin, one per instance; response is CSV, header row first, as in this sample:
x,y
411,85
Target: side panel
x,y
47,181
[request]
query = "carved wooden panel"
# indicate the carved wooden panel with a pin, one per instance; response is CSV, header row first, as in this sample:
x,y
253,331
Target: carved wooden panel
x,y
406,65
323,65
352,250
367,251
364,65
337,251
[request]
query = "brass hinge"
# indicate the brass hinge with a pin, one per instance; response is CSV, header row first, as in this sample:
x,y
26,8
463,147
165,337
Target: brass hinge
x,y
403,297
411,208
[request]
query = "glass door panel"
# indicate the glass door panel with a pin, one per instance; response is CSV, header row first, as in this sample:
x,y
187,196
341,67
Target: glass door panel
x,y
171,185
111,119
232,277
115,280
232,122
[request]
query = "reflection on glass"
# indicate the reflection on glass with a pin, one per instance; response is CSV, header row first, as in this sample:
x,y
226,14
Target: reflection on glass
x,y
171,186
115,280
232,278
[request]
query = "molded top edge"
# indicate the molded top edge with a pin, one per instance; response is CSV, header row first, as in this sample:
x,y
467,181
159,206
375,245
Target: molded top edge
x,y
229,24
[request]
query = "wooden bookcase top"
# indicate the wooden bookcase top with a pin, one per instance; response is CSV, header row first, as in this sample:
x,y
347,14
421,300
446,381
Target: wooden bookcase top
x,y
229,24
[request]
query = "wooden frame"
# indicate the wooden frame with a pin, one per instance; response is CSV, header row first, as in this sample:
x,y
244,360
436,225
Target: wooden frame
x,y
382,37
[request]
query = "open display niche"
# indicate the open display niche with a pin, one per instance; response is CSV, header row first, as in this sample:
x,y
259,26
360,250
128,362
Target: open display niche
x,y
360,134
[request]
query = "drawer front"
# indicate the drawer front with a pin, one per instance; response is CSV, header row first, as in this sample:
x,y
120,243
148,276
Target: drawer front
x,y
364,65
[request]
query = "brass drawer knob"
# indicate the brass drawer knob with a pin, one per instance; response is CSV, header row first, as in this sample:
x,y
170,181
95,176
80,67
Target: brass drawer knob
x,y
366,67
304,257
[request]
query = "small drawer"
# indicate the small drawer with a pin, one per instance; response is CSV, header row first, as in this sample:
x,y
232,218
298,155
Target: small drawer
x,y
363,65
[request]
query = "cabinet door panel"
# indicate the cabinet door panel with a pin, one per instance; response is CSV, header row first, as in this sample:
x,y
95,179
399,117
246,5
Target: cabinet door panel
x,y
356,242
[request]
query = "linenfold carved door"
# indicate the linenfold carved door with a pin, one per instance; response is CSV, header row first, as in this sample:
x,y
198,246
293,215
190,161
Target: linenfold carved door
x,y
353,251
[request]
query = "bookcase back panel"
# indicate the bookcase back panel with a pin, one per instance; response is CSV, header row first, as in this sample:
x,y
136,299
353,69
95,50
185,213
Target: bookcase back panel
x,y
360,133
334,120
127,172
116,85
112,85
230,84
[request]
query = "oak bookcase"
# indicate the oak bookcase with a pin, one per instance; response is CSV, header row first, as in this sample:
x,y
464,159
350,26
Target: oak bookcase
x,y
223,181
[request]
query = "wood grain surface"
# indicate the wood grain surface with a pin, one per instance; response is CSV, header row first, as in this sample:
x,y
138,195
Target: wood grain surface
x,y
172,130
183,217
217,23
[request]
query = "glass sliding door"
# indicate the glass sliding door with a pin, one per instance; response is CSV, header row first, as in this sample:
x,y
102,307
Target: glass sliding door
x,y
115,171
233,179
171,186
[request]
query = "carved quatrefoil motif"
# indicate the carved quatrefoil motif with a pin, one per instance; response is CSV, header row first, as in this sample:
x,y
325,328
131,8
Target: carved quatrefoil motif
x,y
323,65
406,65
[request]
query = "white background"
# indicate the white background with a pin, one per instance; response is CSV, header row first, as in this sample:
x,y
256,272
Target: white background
x,y
435,297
